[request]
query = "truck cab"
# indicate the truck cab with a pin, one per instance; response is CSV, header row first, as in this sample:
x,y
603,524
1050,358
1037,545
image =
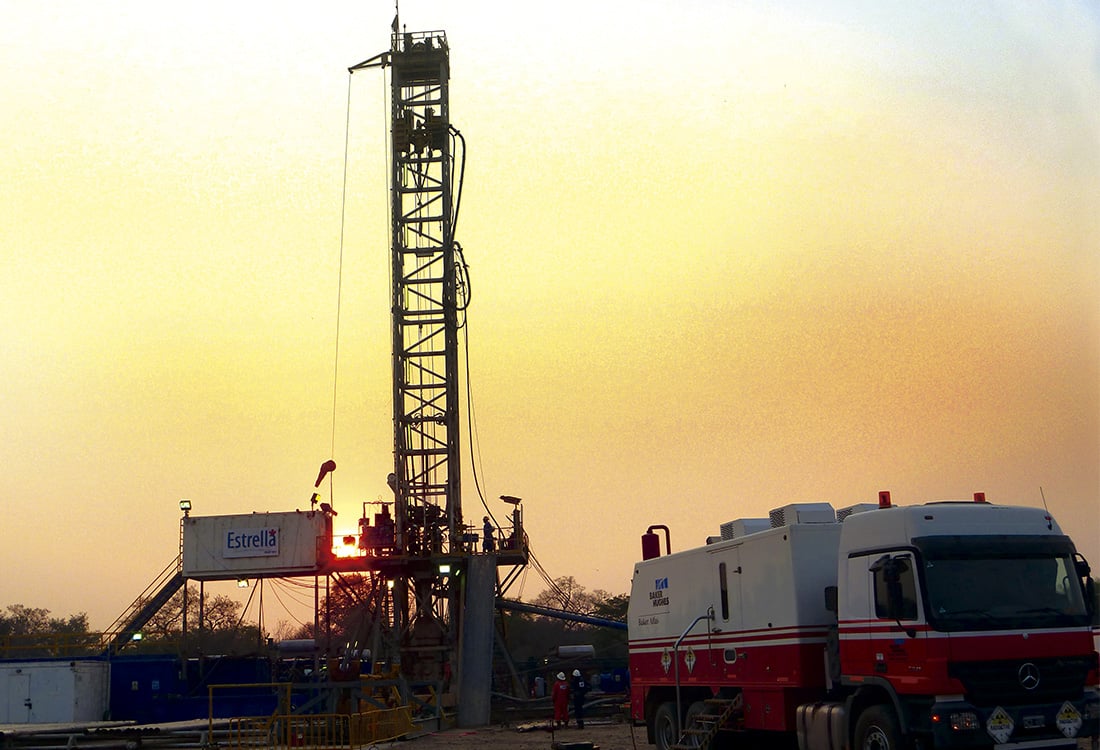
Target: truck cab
x,y
958,624
966,621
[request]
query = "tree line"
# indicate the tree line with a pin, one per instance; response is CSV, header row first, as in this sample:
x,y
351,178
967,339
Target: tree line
x,y
530,639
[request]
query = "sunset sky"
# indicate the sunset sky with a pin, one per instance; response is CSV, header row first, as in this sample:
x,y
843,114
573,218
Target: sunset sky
x,y
725,256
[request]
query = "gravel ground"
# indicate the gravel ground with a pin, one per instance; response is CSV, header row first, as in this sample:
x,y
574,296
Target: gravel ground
x,y
604,735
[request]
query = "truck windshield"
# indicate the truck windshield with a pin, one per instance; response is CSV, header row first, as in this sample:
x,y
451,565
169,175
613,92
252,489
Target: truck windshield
x,y
985,584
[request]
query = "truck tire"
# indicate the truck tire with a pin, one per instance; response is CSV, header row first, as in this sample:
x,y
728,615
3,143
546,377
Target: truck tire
x,y
664,726
877,729
696,708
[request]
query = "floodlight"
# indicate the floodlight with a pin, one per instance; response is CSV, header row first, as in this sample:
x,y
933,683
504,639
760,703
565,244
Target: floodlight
x,y
444,569
242,583
185,505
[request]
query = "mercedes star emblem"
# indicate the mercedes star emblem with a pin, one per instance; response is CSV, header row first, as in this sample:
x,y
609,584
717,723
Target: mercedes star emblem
x,y
1028,675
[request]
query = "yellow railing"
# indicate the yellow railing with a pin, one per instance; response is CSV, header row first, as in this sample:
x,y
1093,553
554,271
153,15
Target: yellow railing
x,y
49,644
283,729
381,725
349,731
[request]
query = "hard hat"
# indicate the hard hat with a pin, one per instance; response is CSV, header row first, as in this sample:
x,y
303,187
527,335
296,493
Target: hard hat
x,y
561,675
576,673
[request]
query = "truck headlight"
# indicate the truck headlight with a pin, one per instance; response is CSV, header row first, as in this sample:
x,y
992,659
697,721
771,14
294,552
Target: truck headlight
x,y
964,720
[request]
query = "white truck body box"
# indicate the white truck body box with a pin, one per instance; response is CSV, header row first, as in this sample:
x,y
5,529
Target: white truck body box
x,y
774,579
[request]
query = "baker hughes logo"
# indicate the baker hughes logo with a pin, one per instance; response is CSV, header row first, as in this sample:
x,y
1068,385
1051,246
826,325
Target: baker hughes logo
x,y
251,542
658,598
658,603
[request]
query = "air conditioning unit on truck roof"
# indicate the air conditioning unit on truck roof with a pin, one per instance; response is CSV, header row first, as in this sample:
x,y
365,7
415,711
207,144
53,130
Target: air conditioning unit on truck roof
x,y
843,513
743,527
953,625
789,515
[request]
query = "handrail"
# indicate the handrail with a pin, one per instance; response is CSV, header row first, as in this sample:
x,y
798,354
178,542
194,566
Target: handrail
x,y
285,728
676,660
143,609
36,645
284,687
170,570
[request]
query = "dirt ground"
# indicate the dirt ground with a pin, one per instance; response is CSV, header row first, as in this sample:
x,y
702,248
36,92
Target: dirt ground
x,y
606,735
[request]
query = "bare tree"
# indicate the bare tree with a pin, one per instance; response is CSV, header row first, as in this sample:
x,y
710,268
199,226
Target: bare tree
x,y
219,612
569,596
30,631
21,620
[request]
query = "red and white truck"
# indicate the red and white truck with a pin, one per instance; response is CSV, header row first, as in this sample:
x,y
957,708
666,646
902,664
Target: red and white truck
x,y
877,627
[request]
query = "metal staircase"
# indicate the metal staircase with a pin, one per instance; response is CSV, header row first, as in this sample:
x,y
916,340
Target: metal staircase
x,y
155,596
704,726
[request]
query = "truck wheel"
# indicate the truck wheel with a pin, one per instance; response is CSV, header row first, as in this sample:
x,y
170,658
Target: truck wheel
x,y
877,729
664,726
696,708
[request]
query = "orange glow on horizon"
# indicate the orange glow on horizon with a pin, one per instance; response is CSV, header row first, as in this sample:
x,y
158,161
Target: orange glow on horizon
x,y
724,257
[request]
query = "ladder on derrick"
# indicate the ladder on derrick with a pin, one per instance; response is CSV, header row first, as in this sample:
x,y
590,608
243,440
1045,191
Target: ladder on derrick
x,y
704,726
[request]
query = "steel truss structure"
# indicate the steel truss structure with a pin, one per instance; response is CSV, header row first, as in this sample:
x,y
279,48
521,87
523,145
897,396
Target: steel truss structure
x,y
425,283
429,293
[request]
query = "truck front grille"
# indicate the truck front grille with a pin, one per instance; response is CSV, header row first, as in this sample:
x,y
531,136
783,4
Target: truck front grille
x,y
1013,682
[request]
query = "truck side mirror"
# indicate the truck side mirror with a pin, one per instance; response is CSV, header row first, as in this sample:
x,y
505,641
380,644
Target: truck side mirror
x,y
1088,585
831,599
1081,565
891,570
893,590
1090,600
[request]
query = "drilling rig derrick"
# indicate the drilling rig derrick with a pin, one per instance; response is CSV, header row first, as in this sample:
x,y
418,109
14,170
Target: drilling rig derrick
x,y
429,549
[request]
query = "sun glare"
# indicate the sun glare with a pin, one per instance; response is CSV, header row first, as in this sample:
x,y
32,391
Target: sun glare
x,y
346,545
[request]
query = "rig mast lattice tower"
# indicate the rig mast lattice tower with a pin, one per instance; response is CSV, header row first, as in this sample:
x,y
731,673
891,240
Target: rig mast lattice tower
x,y
426,479
424,291
432,584
426,482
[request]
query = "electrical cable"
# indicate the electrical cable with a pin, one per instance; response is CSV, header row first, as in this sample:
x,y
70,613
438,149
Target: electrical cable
x,y
463,287
456,190
247,604
470,432
522,581
551,584
387,151
475,450
296,597
462,271
340,269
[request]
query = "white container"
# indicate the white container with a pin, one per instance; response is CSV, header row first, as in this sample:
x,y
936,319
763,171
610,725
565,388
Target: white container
x,y
53,692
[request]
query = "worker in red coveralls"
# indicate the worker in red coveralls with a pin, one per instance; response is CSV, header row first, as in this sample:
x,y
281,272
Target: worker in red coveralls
x,y
560,692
